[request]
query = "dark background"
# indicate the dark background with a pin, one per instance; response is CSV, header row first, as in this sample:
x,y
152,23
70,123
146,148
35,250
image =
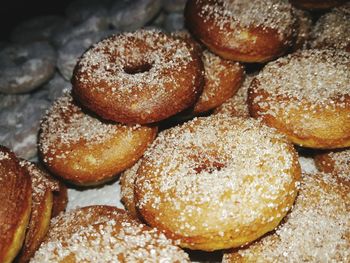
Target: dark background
x,y
14,11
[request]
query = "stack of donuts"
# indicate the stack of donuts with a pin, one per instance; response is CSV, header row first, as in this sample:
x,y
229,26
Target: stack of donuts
x,y
207,129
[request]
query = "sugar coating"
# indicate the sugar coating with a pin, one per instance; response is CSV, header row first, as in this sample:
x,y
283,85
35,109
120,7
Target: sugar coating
x,y
332,29
108,60
309,78
227,169
272,14
316,230
4,156
105,237
341,163
57,129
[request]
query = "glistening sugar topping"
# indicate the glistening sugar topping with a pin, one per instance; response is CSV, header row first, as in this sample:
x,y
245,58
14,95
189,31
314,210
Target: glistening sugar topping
x,y
341,163
215,162
133,61
272,14
66,124
316,230
111,237
312,77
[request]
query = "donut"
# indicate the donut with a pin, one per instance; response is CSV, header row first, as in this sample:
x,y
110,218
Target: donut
x,y
335,162
132,15
332,30
127,181
39,28
222,79
306,95
42,196
95,233
85,150
316,4
241,30
15,195
217,182
139,77
316,229
24,67
304,28
237,104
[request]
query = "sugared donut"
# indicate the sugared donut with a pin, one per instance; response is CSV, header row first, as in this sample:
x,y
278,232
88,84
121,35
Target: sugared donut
x,y
332,30
105,234
217,182
303,30
42,196
140,77
317,4
15,208
222,79
335,162
237,104
306,95
242,30
127,182
86,150
316,230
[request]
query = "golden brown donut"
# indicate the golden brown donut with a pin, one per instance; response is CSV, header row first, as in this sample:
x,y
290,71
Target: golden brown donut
x,y
140,77
306,95
105,234
335,162
332,30
237,104
85,150
222,79
15,208
42,202
316,230
316,4
217,182
127,182
242,30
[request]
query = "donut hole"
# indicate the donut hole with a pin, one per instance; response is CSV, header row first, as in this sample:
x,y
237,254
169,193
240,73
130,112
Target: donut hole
x,y
208,167
138,68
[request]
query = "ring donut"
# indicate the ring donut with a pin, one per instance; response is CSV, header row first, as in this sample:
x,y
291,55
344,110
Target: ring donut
x,y
306,95
242,30
217,182
16,201
140,77
85,150
317,228
95,233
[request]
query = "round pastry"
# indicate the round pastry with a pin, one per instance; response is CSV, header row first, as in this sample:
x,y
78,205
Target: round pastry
x,y
127,182
217,182
242,30
42,202
303,31
140,77
332,30
86,150
306,95
316,230
237,104
15,196
335,162
96,233
222,79
24,67
317,4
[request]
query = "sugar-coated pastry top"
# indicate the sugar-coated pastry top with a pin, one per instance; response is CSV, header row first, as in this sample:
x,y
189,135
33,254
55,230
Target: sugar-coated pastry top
x,y
320,77
316,230
91,234
273,14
